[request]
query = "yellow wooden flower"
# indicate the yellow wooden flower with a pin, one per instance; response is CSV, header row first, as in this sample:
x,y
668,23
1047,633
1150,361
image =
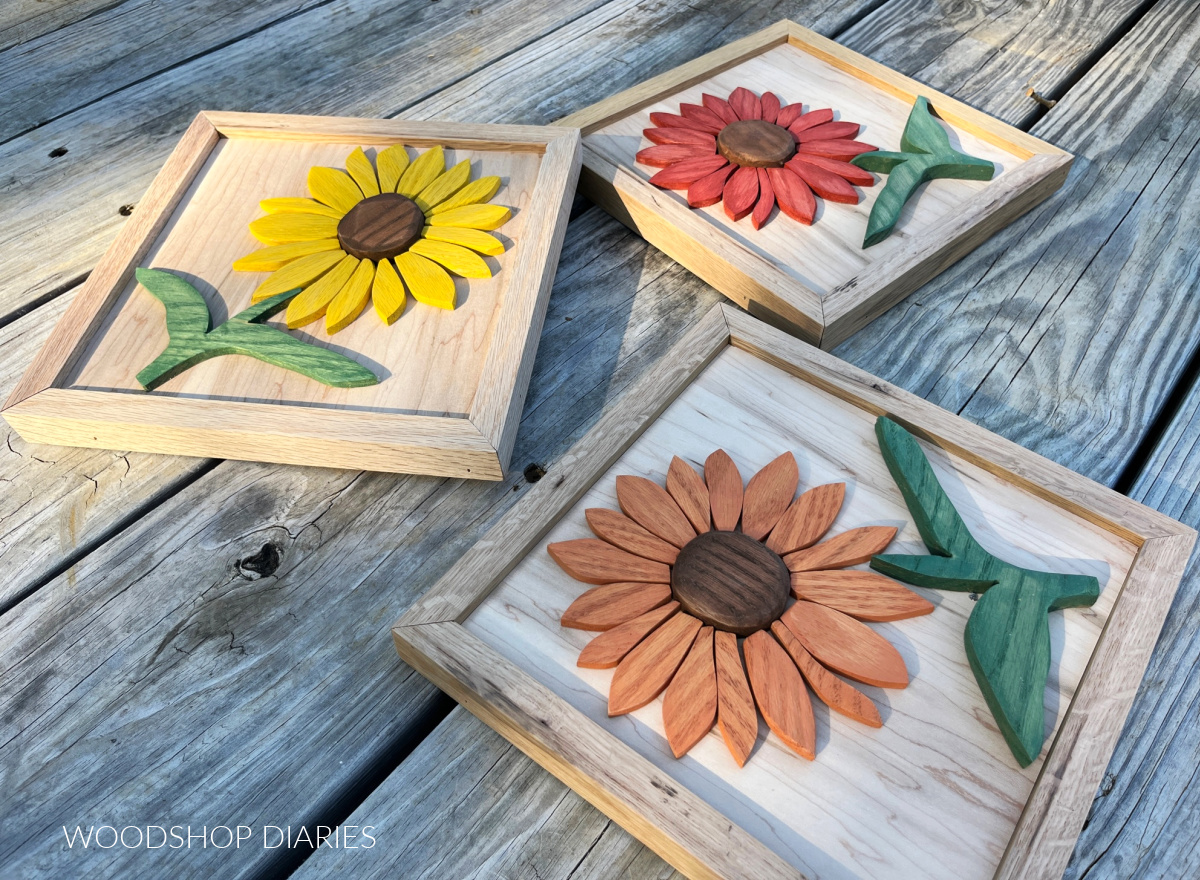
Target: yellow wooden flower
x,y
376,232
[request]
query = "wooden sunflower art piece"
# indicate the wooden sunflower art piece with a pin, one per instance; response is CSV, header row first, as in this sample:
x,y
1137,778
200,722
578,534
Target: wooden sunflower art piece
x,y
372,231
684,572
752,152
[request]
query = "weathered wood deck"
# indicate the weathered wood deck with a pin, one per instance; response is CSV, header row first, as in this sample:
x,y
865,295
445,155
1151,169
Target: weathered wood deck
x,y
186,641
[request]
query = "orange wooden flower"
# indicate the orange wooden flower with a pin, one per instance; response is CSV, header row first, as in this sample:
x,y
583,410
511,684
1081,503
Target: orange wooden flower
x,y
752,153
679,581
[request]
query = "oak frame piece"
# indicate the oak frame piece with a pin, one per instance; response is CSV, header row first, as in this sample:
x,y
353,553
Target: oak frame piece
x,y
685,830
478,446
756,282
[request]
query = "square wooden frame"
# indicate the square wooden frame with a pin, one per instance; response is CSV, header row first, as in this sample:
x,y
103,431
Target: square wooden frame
x,y
477,446
752,280
676,823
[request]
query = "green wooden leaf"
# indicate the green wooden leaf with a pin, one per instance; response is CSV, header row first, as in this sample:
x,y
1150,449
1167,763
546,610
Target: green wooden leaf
x,y
927,155
1008,633
191,341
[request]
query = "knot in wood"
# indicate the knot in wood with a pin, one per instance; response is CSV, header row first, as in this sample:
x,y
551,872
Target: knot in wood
x,y
753,143
730,581
381,226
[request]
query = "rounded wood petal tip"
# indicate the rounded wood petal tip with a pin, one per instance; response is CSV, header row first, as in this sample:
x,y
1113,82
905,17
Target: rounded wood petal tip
x,y
593,561
849,548
606,650
737,718
610,605
624,533
648,669
768,495
725,491
845,645
650,506
831,690
862,594
808,519
690,701
685,486
781,695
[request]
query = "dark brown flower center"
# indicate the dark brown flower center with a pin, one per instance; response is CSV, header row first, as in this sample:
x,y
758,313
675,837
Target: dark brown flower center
x,y
756,144
381,226
730,581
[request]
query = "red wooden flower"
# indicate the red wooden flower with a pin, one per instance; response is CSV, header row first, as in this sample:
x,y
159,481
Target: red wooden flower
x,y
753,153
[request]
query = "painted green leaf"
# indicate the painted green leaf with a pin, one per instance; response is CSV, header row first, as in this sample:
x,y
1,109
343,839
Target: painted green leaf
x,y
927,155
1008,633
191,340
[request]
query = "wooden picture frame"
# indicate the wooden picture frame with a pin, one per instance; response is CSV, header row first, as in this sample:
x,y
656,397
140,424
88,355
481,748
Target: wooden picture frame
x,y
816,282
685,812
464,427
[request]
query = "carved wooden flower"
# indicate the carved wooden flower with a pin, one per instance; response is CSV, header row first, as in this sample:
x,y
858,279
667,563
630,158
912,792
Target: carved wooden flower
x,y
752,153
368,227
680,582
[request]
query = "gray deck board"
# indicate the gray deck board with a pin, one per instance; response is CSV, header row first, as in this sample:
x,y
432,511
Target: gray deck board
x,y
185,678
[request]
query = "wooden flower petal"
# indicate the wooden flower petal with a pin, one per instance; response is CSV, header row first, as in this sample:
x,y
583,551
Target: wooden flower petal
x,y
428,282
275,257
649,505
781,695
351,299
808,519
649,668
811,119
387,293
845,645
745,103
793,195
830,690
768,495
474,193
736,716
662,155
839,149
724,490
618,529
848,548
789,114
720,107
291,228
862,594
670,120
702,118
680,136
824,183
334,187
423,171
770,106
390,163
682,175
707,190
690,493
830,130
363,172
597,562
602,608
740,193
606,650
850,173
690,703
766,200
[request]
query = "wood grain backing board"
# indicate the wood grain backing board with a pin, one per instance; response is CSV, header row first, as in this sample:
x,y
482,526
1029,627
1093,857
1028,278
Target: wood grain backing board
x,y
470,365
817,276
964,797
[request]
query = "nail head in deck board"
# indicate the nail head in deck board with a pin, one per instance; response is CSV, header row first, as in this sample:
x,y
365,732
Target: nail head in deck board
x,y
730,581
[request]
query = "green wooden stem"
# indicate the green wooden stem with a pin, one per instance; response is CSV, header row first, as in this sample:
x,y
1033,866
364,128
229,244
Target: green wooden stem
x,y
927,155
1008,633
191,340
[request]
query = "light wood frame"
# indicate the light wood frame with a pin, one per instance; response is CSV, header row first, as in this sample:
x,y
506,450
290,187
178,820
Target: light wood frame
x,y
754,281
680,826
478,446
